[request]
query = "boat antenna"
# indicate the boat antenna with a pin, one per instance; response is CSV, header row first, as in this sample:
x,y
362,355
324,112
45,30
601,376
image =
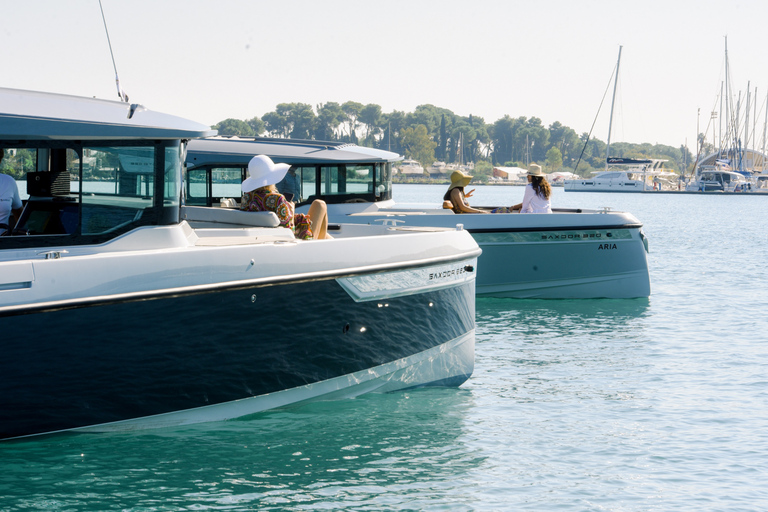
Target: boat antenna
x,y
120,93
589,135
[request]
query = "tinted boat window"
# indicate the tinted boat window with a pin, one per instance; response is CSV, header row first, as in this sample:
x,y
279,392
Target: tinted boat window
x,y
122,198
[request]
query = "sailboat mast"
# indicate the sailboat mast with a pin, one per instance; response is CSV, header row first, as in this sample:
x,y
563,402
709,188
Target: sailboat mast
x,y
765,127
613,101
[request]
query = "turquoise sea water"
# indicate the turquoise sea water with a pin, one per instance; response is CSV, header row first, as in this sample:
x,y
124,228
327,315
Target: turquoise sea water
x,y
620,405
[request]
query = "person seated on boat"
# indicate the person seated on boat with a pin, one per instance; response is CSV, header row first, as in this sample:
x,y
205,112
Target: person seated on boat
x,y
260,195
537,193
290,186
10,202
455,198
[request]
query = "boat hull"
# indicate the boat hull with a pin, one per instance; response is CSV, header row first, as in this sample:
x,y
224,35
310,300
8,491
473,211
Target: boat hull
x,y
574,255
562,264
225,353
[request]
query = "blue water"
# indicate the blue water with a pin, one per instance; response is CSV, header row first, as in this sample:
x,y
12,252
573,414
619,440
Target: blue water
x,y
621,405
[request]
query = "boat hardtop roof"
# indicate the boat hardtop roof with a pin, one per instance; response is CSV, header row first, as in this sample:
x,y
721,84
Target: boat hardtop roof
x,y
650,166
33,115
711,169
223,150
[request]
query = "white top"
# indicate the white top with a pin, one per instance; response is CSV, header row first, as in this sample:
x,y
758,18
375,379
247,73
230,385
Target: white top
x,y
9,198
534,203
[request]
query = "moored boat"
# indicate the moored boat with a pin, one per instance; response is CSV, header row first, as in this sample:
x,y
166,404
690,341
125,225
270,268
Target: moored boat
x,y
571,253
626,175
123,307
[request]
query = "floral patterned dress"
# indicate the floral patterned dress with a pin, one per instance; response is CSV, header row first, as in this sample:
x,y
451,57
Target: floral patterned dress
x,y
261,200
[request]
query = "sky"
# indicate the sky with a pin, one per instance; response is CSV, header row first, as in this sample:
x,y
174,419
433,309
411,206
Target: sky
x,y
551,59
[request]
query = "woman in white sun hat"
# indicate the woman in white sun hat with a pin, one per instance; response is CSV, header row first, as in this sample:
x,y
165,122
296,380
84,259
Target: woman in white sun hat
x,y
260,195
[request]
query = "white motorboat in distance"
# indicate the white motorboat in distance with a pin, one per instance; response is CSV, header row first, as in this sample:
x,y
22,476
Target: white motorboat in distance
x,y
122,308
570,253
625,175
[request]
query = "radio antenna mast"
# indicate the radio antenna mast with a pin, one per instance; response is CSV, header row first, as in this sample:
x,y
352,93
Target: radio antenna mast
x,y
120,93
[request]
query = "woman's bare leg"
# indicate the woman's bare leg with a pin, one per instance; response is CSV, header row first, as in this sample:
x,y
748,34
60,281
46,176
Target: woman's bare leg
x,y
318,218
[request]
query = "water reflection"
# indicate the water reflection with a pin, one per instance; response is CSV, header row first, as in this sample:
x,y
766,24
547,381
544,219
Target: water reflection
x,y
560,317
378,451
569,350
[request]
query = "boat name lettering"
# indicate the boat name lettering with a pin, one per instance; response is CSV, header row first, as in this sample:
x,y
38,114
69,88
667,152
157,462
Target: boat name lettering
x,y
575,236
607,246
447,273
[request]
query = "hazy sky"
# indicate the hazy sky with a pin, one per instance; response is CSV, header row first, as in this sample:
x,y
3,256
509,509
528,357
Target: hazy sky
x,y
211,60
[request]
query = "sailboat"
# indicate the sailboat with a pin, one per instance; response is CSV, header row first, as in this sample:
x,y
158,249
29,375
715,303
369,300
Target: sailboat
x,y
623,174
732,166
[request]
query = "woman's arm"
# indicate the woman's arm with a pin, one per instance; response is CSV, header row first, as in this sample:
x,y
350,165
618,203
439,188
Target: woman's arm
x,y
458,201
525,206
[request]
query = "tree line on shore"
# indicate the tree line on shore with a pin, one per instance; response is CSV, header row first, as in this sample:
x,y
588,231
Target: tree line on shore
x,y
431,133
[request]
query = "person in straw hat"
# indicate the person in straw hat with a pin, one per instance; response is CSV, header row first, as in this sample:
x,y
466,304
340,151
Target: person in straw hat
x,y
537,193
455,198
261,195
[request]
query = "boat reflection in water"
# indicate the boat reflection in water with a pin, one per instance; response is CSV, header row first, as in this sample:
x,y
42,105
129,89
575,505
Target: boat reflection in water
x,y
128,309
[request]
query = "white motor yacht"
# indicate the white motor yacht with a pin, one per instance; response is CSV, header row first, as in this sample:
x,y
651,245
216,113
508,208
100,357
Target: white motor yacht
x,y
625,175
122,307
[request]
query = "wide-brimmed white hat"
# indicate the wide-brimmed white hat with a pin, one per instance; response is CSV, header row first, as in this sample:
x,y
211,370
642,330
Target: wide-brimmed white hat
x,y
262,171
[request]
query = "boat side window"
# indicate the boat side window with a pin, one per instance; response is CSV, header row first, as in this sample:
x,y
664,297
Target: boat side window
x,y
347,180
360,179
333,180
118,186
227,182
49,190
197,187
172,176
384,181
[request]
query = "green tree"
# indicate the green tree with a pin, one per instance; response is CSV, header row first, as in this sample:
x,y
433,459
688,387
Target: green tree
x,y
301,119
554,158
257,125
442,141
234,127
352,111
329,117
417,144
566,140
502,139
370,116
462,140
276,124
393,124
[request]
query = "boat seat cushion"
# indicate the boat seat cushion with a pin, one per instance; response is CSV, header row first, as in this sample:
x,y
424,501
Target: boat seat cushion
x,y
218,216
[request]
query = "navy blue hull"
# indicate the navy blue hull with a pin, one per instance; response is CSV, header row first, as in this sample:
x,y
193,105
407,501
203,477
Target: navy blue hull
x,y
103,363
